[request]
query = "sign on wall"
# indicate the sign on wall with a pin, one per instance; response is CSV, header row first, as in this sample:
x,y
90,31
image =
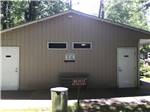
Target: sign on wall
x,y
69,57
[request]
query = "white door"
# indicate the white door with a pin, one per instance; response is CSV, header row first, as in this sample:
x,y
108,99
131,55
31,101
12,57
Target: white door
x,y
10,68
126,67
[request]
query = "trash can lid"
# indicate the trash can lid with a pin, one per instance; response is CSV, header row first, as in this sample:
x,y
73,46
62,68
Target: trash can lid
x,y
59,89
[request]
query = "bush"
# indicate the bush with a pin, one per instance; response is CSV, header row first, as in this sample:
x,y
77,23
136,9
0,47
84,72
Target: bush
x,y
141,63
147,74
145,70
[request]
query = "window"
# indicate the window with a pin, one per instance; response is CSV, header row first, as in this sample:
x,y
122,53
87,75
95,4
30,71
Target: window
x,y
57,45
82,45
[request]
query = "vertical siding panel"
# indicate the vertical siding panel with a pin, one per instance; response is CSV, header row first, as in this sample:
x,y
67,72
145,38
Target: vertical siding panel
x,y
51,63
23,55
46,60
106,50
96,59
42,35
115,56
39,54
44,49
8,41
50,53
48,67
43,55
28,49
35,57
22,61
29,57
3,39
109,55
11,42
63,34
103,52
17,40
73,37
98,51
59,37
44,73
112,57
92,27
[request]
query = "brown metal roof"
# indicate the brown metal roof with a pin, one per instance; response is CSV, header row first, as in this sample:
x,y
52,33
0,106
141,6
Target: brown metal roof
x,y
79,13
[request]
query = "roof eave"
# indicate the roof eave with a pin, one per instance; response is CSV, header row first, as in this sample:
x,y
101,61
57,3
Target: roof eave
x,y
79,13
110,22
36,21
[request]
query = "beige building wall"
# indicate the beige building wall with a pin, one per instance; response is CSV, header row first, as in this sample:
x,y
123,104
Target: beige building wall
x,y
39,67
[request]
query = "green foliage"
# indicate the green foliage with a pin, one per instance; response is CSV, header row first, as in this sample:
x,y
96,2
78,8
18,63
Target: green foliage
x,y
16,12
32,10
128,12
74,108
145,48
145,70
6,19
53,7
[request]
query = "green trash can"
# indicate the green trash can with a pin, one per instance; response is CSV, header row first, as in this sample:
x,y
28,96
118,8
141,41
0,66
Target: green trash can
x,y
59,97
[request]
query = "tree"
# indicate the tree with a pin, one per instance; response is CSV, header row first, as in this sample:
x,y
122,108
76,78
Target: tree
x,y
32,11
16,12
6,19
128,12
144,49
53,7
101,9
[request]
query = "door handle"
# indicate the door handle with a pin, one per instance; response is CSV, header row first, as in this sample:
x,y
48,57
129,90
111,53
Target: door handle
x,y
119,69
16,70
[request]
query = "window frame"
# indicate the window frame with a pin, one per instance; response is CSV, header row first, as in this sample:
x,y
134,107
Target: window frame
x,y
57,48
82,48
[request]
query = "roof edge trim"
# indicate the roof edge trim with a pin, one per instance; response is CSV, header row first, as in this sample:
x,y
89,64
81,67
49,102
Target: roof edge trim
x,y
111,22
36,21
79,13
